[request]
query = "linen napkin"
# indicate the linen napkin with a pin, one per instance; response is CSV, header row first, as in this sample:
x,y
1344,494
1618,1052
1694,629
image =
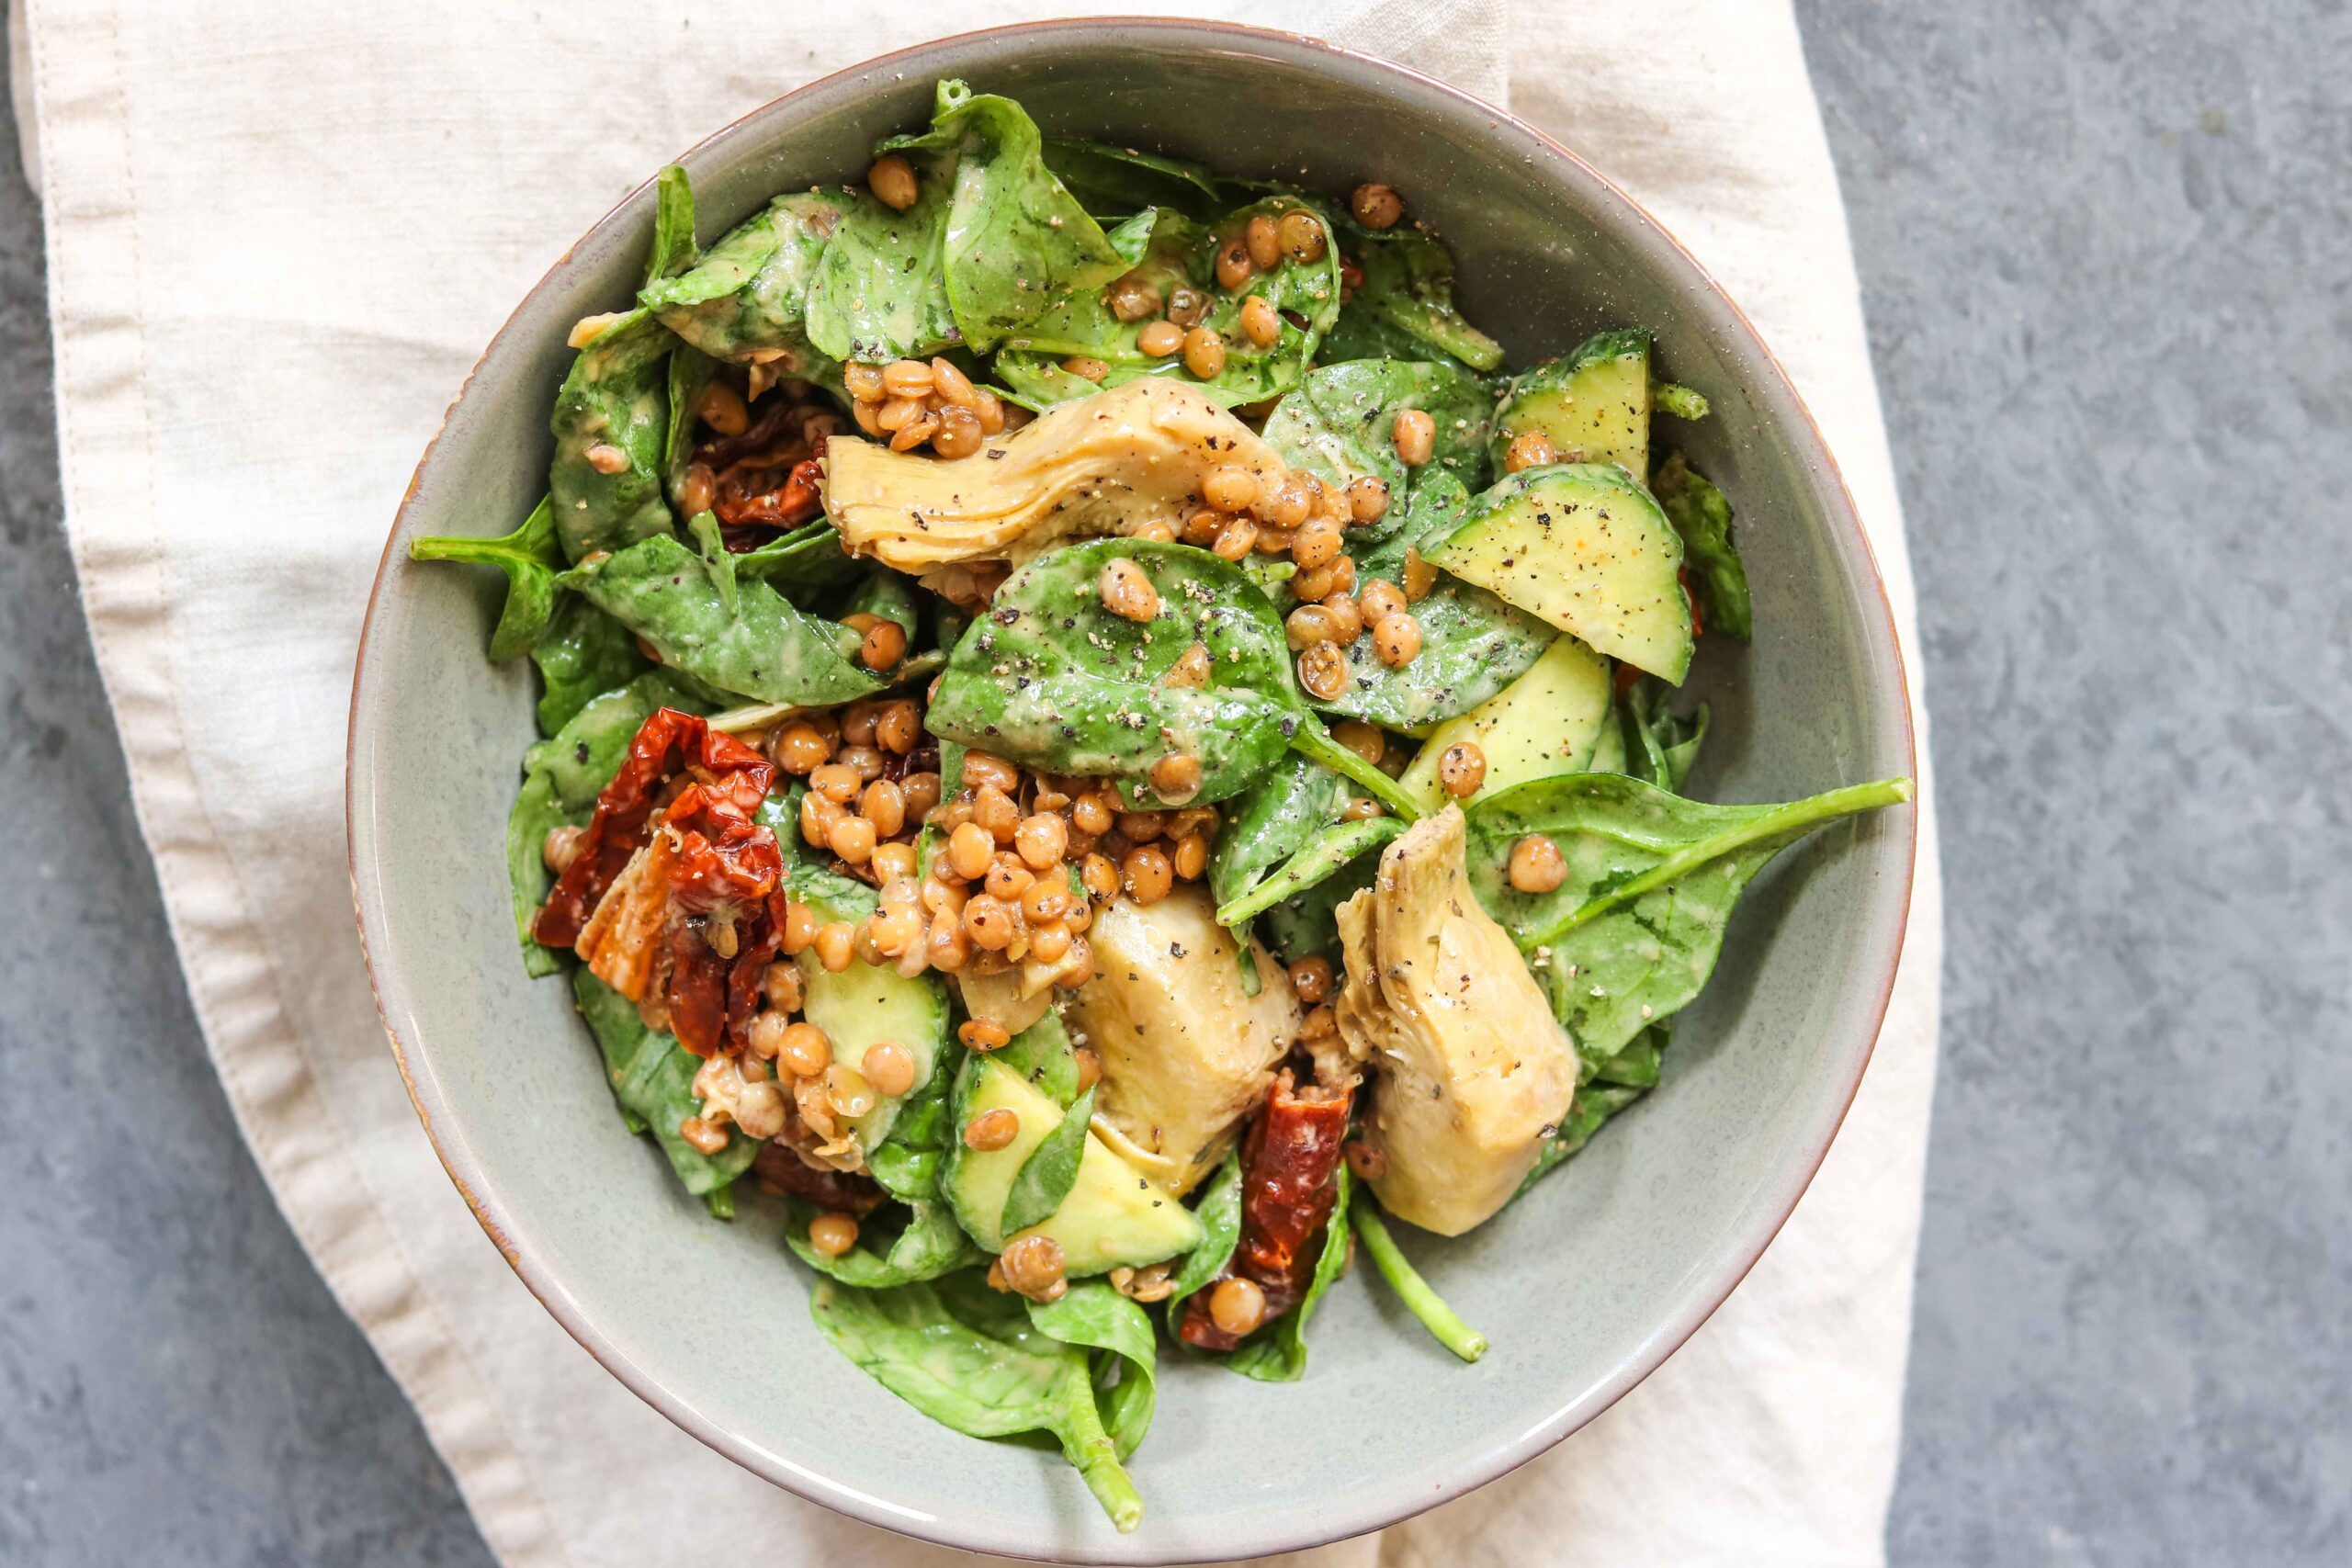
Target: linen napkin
x,y
279,233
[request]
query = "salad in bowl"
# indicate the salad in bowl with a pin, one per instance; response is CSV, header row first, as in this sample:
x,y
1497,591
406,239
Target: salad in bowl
x,y
1097,744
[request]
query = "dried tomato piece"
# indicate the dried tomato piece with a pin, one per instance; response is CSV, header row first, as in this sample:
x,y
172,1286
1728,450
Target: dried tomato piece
x,y
1289,1184
724,859
665,742
831,1190
776,503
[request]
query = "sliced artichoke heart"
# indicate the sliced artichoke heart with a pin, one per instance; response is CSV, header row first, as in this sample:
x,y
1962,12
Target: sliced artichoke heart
x,y
1472,1071
1081,469
1186,1051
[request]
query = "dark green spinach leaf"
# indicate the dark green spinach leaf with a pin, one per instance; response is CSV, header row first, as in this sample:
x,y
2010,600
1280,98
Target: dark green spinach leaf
x,y
529,559
1702,516
1473,645
1323,856
582,653
1634,930
1183,253
1046,1178
1337,425
652,1077
1016,243
971,1358
1090,1315
748,298
1219,1212
612,427
1053,681
1408,284
921,1242
1116,182
766,649
1270,823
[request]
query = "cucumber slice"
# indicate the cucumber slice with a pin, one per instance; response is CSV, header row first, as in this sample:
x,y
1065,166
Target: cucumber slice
x,y
1594,404
867,1005
1114,1215
1585,547
1544,723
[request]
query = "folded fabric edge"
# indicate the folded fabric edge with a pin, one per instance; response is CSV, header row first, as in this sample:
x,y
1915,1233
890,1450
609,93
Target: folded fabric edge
x,y
107,482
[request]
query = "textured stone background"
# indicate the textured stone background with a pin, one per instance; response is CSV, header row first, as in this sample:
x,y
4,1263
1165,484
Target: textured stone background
x,y
2106,251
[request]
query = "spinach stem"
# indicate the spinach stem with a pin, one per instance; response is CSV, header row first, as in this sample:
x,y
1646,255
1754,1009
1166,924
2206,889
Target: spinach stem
x,y
1412,1290
1314,742
1795,814
1323,857
1095,1457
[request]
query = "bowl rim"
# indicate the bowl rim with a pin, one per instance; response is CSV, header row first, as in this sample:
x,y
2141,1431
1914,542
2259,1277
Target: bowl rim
x,y
1717,1281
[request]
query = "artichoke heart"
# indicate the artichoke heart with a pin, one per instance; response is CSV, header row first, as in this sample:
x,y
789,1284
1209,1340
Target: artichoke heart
x,y
1186,1051
1081,470
1472,1072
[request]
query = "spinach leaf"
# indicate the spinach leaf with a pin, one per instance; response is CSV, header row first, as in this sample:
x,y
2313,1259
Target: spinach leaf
x,y
652,1077
582,653
1635,928
922,1243
1473,645
1270,823
1090,1315
717,565
1682,402
1219,1212
1337,425
766,649
880,289
1046,1178
1053,681
690,372
613,412
1277,1353
1702,516
1042,1054
1362,332
1183,253
889,595
801,564
1325,855
1412,1290
1017,242
908,1161
1408,283
673,226
1594,1104
1113,182
971,1358
747,300
561,777
1636,1064
529,559
1307,924
1660,748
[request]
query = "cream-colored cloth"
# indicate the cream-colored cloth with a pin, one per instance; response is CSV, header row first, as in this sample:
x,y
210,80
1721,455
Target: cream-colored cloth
x,y
280,230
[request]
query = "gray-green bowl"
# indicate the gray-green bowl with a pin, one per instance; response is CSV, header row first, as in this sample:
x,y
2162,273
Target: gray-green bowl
x,y
1585,1286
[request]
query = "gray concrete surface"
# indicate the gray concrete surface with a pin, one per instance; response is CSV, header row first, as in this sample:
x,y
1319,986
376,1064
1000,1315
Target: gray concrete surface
x,y
2103,248
2106,249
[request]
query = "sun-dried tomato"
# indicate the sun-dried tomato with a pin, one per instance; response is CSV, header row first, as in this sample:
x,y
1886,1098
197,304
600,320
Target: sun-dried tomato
x,y
664,742
758,496
1289,1184
831,1190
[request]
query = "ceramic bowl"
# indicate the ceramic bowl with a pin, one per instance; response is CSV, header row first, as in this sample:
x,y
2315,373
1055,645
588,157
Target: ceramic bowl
x,y
1585,1286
